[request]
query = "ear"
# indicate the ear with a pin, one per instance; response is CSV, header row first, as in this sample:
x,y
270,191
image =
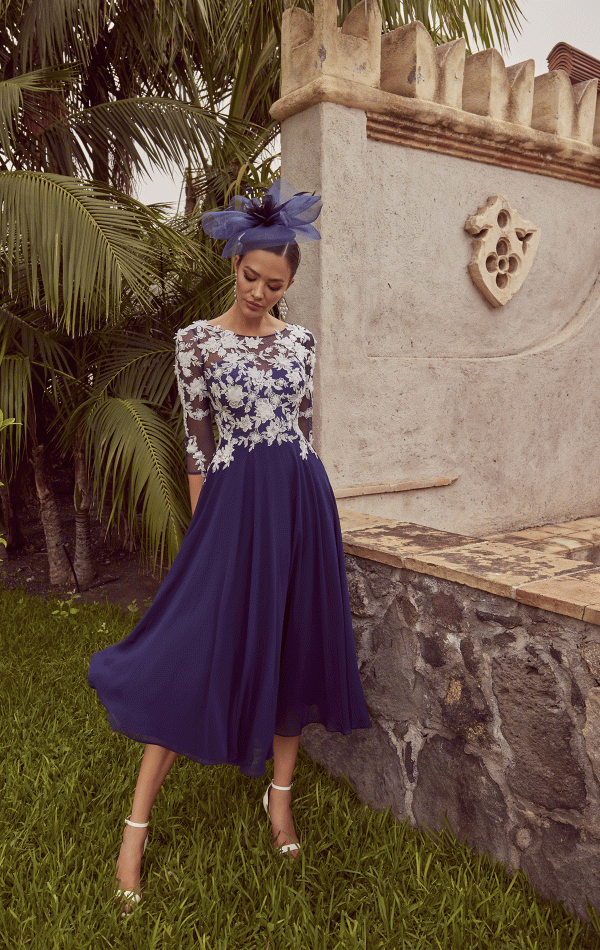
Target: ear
x,y
236,262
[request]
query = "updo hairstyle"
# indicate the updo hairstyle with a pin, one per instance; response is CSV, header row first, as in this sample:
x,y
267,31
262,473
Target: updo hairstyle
x,y
291,252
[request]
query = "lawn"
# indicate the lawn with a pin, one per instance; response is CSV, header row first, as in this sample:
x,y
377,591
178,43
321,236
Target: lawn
x,y
210,879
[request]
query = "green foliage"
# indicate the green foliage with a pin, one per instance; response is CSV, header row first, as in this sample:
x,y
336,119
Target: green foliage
x,y
78,244
141,450
210,879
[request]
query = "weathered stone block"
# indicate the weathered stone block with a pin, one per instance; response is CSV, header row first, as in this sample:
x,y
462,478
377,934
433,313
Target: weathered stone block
x,y
591,655
491,89
367,758
447,611
381,580
539,733
465,712
469,655
457,786
563,860
411,65
432,652
359,595
313,47
389,683
563,109
591,730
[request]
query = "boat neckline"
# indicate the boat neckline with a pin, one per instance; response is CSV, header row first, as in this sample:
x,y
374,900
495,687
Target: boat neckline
x,y
249,336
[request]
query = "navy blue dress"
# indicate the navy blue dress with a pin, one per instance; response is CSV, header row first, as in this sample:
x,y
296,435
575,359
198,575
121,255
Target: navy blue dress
x,y
250,633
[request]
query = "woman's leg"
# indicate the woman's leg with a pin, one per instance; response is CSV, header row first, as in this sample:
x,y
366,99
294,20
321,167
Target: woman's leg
x,y
156,763
285,750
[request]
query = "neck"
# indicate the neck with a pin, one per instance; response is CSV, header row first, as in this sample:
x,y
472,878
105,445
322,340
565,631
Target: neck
x,y
258,324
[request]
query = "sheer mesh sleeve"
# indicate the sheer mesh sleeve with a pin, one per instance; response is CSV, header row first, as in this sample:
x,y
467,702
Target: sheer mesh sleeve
x,y
189,369
305,410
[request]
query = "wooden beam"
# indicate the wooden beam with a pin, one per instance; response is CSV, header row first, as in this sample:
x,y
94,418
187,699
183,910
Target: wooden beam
x,y
356,490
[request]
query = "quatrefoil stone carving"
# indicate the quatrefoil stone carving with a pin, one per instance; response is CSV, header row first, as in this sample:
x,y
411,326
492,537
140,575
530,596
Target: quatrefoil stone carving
x,y
504,248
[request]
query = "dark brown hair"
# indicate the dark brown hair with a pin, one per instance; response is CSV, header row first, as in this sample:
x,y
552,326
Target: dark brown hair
x,y
291,252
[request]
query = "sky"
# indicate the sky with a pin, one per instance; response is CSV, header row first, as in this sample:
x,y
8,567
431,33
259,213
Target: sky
x,y
545,23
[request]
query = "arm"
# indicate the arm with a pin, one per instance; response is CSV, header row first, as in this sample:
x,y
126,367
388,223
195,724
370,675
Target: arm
x,y
193,393
195,482
305,411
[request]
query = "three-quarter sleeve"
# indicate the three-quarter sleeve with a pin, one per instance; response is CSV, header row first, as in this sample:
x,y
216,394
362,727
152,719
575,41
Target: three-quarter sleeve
x,y
189,370
305,411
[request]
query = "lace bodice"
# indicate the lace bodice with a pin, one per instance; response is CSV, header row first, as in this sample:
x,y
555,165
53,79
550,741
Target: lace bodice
x,y
258,388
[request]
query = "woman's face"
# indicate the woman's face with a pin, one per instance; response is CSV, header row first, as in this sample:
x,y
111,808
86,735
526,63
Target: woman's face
x,y
262,278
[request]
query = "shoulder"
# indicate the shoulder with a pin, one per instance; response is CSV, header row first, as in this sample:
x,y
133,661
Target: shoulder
x,y
192,335
302,335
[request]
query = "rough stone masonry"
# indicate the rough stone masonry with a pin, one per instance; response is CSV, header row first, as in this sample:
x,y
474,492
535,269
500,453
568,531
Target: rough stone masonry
x,y
485,711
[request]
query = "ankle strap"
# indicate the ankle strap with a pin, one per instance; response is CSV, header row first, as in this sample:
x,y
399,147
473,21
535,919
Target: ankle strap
x,y
281,788
136,824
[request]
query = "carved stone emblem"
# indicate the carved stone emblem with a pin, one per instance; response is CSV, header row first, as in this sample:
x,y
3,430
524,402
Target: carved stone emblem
x,y
504,247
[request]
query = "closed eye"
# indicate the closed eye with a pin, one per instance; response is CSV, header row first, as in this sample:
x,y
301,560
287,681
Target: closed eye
x,y
252,279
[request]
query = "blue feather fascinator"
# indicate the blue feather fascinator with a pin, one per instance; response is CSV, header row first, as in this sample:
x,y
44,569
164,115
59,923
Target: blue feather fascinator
x,y
281,216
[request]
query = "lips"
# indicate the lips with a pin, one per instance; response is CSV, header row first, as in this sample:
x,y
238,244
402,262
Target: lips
x,y
253,306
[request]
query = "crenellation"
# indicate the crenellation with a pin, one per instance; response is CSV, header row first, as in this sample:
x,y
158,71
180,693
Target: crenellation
x,y
596,132
412,66
313,47
520,81
435,97
491,89
450,62
562,109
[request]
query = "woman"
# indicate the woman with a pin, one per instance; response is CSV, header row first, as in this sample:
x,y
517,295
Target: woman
x,y
249,637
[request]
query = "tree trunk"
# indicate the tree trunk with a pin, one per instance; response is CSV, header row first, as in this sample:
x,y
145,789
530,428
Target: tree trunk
x,y
82,499
58,563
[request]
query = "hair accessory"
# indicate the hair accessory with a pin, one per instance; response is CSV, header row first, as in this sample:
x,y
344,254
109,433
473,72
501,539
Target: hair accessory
x,y
282,216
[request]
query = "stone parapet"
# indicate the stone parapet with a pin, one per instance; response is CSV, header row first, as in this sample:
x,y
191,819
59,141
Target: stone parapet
x,y
437,98
485,710
554,567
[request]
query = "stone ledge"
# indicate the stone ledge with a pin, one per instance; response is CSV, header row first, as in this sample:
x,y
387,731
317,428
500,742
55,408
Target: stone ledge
x,y
438,127
551,567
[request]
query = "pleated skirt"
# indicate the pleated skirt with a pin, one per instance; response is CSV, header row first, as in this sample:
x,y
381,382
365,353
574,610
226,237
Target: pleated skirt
x,y
250,633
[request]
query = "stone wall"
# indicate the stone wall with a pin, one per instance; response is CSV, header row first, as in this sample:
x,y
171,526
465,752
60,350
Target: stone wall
x,y
421,380
485,711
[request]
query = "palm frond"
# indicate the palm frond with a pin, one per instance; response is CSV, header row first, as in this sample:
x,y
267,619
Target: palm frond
x,y
12,95
136,367
51,31
84,239
15,395
138,462
145,131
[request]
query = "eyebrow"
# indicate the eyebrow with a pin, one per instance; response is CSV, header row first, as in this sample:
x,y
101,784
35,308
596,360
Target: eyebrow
x,y
271,280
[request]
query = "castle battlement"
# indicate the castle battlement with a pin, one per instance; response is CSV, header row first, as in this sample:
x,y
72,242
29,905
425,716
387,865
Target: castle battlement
x,y
436,97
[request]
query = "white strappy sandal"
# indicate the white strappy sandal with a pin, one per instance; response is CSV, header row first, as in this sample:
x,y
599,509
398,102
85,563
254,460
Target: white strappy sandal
x,y
131,897
295,846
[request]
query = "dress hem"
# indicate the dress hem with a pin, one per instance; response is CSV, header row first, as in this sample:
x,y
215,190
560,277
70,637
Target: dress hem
x,y
119,728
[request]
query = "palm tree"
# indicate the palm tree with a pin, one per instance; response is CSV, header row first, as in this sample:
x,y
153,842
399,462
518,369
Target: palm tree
x,y
159,81
95,242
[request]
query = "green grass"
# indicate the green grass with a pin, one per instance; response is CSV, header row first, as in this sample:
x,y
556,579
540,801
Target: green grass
x,y
210,879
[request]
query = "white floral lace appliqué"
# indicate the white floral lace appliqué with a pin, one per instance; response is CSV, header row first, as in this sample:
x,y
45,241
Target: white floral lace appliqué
x,y
259,389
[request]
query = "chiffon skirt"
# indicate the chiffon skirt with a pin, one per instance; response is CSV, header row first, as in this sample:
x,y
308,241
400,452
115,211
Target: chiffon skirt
x,y
250,633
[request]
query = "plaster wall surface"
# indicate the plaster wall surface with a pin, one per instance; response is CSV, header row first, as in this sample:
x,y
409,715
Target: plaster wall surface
x,y
418,375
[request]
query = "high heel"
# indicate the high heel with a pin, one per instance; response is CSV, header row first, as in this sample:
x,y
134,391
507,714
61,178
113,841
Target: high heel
x,y
280,788
132,898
